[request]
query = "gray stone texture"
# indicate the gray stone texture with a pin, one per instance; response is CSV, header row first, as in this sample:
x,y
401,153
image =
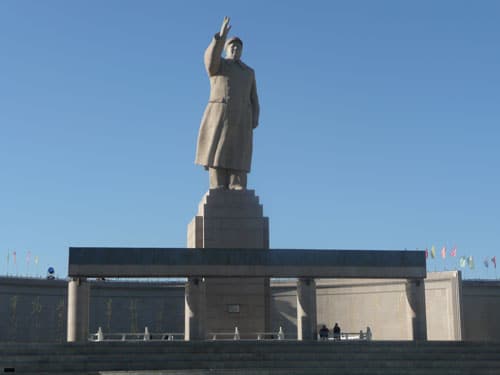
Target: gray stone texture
x,y
253,358
233,219
387,307
415,295
35,310
306,309
481,310
244,262
78,310
444,302
195,309
124,306
229,219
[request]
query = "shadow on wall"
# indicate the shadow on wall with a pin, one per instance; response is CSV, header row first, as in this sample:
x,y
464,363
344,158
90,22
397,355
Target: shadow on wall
x,y
416,304
284,311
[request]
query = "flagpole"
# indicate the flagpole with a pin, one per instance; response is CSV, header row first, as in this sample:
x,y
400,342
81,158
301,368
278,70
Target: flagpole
x,y
444,252
14,258
36,266
28,261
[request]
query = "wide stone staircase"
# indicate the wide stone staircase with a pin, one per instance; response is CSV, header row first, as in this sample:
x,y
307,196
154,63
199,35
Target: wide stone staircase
x,y
252,357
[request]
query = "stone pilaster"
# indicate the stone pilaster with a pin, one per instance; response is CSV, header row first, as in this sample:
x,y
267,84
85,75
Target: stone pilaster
x,y
78,310
195,314
306,309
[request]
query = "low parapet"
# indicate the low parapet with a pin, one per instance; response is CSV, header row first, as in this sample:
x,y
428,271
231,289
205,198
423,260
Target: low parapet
x,y
189,262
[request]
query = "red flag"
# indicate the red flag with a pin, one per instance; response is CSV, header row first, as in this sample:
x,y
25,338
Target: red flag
x,y
494,261
453,252
443,252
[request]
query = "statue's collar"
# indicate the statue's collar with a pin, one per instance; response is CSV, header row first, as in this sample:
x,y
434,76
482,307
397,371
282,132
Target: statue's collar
x,y
237,62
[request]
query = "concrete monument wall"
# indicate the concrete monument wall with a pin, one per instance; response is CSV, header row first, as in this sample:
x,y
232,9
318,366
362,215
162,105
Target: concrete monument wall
x,y
34,310
481,307
129,307
380,304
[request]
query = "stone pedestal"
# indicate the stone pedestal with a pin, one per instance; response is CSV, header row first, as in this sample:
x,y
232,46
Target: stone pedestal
x,y
306,309
233,219
415,293
78,310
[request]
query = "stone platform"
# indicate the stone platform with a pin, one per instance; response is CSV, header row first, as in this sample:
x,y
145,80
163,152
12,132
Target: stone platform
x,y
253,357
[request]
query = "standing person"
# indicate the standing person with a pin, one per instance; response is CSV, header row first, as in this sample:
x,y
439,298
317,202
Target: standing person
x,y
336,332
323,333
225,137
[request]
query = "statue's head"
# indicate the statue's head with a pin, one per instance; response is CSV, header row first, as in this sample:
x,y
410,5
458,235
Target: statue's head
x,y
234,48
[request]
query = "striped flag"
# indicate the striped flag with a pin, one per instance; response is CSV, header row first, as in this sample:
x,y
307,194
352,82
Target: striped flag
x,y
494,261
453,252
443,252
433,252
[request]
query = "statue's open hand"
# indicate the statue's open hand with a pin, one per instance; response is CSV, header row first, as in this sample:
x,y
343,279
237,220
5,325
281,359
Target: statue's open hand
x,y
224,29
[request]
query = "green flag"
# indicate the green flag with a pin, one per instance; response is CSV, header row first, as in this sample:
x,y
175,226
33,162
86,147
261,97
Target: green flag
x,y
463,262
470,261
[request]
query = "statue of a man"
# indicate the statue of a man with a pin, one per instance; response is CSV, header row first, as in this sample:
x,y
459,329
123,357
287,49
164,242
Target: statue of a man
x,y
226,131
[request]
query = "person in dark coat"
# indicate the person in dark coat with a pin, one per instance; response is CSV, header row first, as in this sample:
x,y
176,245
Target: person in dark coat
x,y
323,333
336,332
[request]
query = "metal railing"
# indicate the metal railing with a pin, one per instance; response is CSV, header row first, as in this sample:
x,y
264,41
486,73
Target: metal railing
x,y
135,336
235,335
348,336
280,335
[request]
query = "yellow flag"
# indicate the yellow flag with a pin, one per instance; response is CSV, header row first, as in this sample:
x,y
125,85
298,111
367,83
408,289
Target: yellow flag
x,y
433,252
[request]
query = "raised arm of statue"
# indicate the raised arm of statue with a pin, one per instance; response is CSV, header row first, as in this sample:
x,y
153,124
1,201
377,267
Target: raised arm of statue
x,y
214,50
225,27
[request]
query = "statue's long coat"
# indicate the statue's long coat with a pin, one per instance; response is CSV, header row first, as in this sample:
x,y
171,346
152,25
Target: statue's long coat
x,y
226,130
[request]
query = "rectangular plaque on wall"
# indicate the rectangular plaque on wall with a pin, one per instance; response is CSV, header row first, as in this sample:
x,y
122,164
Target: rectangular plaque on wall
x,y
233,308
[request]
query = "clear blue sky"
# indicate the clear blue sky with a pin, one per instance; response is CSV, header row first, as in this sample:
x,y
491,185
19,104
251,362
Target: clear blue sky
x,y
379,126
